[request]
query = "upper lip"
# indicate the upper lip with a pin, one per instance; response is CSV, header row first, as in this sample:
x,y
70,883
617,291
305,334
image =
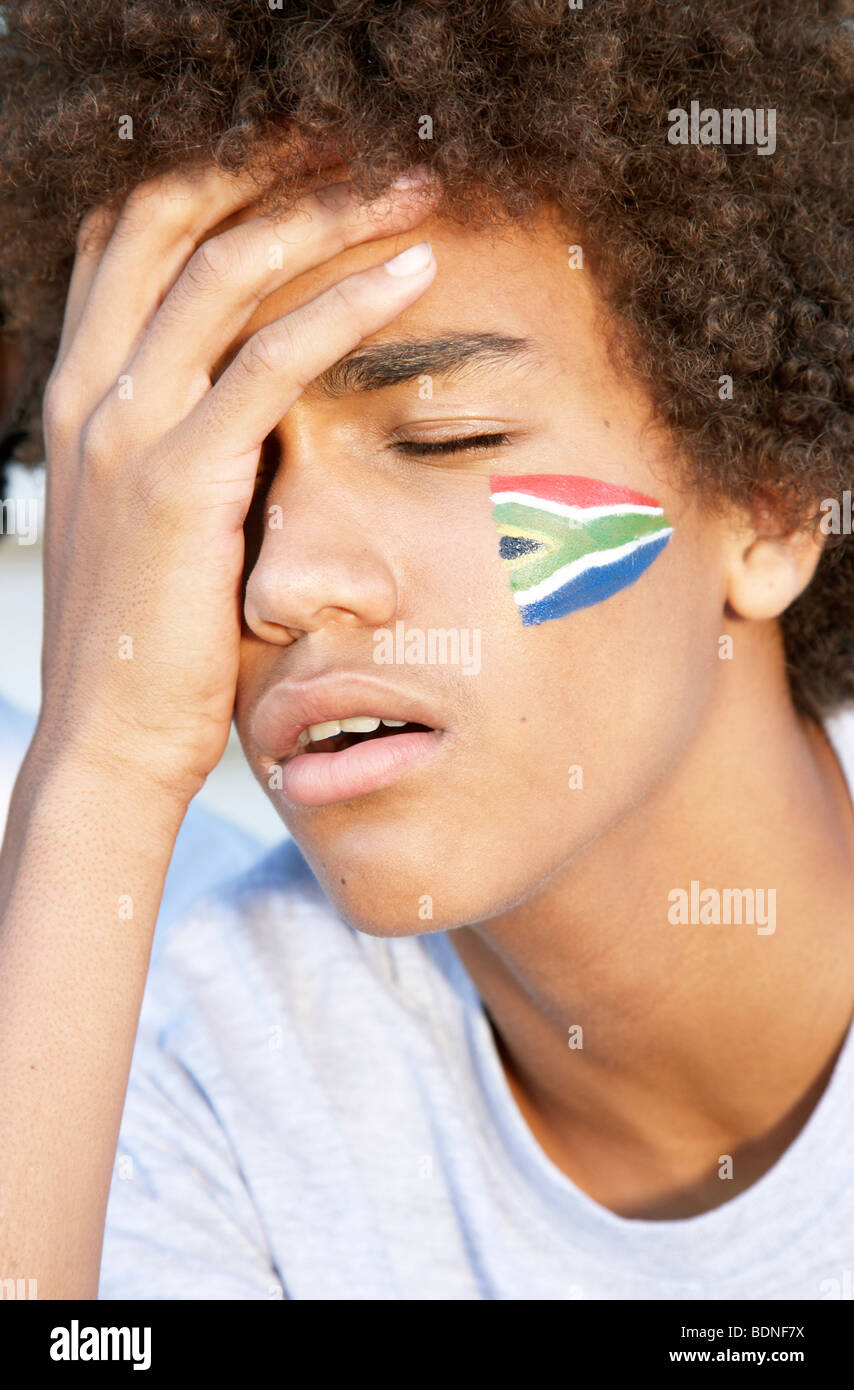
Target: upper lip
x,y
291,706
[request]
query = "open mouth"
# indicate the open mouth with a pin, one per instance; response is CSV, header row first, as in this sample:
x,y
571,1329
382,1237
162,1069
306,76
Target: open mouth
x,y
336,735
345,758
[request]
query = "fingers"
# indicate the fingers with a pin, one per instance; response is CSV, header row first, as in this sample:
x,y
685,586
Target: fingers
x,y
230,274
93,234
274,366
127,261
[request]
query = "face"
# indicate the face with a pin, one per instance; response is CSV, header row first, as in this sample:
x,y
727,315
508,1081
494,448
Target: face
x,y
405,508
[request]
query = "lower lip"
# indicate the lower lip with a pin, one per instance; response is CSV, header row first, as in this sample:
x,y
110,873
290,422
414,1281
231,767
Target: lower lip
x,y
319,779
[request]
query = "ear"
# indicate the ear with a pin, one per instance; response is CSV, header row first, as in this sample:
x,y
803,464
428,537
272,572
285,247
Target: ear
x,y
768,568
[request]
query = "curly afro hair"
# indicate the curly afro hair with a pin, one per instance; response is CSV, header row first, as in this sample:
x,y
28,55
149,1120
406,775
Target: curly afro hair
x,y
715,260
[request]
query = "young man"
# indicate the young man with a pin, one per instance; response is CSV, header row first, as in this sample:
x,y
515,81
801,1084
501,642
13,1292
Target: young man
x,y
500,535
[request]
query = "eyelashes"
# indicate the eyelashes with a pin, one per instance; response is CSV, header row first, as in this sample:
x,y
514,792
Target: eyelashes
x,y
451,446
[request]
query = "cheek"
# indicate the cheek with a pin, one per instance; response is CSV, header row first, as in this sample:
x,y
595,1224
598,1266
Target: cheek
x,y
607,698
589,643
257,660
449,566
569,542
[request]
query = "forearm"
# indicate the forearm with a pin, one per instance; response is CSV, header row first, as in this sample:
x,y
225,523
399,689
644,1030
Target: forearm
x,y
81,878
144,570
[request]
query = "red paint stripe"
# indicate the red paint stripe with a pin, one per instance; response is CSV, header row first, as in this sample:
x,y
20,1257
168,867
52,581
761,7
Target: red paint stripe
x,y
574,491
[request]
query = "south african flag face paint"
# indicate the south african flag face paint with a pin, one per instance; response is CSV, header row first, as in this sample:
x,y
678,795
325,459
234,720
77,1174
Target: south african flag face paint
x,y
570,542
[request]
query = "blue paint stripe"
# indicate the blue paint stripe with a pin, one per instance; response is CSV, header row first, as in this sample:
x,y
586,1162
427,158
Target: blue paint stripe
x,y
593,585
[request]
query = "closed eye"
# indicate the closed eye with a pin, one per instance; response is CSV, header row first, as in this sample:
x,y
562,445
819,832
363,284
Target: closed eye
x,y
412,447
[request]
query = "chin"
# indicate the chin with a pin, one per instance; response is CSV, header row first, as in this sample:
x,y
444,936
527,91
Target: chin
x,y
379,901
409,896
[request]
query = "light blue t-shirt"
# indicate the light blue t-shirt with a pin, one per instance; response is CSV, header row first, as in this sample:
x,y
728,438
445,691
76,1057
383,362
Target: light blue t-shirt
x,y
315,1113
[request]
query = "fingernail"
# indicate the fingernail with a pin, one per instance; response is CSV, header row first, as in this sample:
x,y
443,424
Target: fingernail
x,y
412,177
410,261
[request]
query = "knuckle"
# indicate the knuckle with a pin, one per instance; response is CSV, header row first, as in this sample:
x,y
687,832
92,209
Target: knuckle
x,y
211,266
58,405
269,350
148,206
136,209
94,230
141,193
334,197
99,436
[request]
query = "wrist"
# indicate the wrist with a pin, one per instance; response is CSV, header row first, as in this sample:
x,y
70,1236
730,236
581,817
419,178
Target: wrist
x,y
74,831
116,792
111,765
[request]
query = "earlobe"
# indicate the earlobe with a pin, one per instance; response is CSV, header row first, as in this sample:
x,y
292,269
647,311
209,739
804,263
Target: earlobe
x,y
767,573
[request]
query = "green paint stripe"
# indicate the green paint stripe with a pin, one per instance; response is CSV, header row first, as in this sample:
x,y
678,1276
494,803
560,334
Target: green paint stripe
x,y
514,514
574,540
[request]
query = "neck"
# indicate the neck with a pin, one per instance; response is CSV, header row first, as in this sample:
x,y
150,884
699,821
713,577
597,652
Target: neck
x,y
698,1039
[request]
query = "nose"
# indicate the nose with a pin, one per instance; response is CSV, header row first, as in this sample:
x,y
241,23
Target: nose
x,y
320,561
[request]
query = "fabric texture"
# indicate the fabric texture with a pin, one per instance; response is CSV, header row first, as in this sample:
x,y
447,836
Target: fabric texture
x,y
315,1113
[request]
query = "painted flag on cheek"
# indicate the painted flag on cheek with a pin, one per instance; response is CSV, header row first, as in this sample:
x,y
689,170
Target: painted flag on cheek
x,y
569,542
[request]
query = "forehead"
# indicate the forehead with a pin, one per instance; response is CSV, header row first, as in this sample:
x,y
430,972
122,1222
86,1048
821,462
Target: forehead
x,y
509,279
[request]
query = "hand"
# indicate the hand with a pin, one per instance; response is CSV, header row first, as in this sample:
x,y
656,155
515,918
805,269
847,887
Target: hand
x,y
151,467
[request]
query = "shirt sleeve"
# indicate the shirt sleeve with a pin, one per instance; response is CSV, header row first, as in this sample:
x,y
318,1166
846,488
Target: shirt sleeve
x,y
181,1223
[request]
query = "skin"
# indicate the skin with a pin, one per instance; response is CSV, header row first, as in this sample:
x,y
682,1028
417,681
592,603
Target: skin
x,y
693,766
697,1042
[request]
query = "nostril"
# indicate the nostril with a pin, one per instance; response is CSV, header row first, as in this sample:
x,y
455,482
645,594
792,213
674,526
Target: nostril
x,y
276,633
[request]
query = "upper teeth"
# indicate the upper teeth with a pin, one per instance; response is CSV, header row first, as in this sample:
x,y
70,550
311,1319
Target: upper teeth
x,y
359,724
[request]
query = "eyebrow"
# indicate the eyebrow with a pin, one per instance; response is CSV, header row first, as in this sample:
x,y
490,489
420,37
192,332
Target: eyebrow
x,y
388,364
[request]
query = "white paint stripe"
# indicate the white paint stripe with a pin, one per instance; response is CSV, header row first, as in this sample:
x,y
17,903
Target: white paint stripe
x,y
595,560
545,504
